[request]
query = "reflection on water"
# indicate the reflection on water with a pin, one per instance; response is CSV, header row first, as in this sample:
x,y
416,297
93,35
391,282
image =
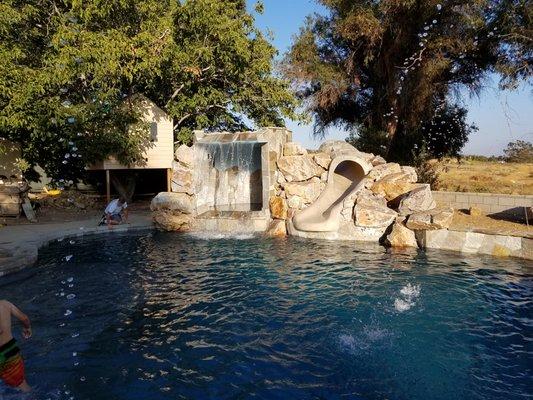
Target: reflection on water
x,y
168,316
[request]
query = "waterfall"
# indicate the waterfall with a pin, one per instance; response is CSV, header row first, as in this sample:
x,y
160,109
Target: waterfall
x,y
228,175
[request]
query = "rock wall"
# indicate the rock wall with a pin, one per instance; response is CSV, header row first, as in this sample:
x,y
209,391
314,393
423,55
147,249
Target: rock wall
x,y
389,207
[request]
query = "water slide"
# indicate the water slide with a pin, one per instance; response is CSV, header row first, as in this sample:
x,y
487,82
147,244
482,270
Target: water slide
x,y
345,177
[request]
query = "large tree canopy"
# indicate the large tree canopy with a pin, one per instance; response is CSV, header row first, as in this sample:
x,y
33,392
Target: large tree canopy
x,y
67,68
390,67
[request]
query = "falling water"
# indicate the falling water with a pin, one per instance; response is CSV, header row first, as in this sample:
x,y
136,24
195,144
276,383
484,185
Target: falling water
x,y
228,175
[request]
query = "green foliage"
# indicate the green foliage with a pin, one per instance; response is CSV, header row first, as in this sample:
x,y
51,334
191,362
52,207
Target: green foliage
x,y
69,68
389,66
369,140
519,151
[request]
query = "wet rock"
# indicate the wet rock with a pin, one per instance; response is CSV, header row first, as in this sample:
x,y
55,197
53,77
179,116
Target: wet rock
x,y
308,191
185,155
418,199
278,207
299,168
401,236
293,149
169,201
438,218
277,228
182,179
322,159
171,220
380,171
372,216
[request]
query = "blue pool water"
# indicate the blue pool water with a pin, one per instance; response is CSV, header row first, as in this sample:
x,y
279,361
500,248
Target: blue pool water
x,y
170,316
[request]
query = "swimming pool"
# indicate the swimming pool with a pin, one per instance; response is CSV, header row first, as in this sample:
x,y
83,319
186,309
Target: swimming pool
x,y
171,316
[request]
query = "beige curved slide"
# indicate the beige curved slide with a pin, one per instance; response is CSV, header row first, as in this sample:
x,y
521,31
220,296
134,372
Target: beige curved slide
x,y
345,177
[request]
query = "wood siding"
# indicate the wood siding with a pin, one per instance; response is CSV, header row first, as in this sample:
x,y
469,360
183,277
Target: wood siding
x,y
161,154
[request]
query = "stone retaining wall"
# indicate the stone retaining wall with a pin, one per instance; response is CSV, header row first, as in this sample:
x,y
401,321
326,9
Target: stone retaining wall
x,y
490,203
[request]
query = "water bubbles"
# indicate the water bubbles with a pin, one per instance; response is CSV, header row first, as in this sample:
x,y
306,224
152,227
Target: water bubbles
x,y
66,103
68,258
64,161
439,7
82,379
70,279
67,313
434,21
74,354
67,155
75,335
71,296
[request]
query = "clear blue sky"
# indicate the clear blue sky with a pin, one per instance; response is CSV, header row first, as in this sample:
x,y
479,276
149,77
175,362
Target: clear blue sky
x,y
501,116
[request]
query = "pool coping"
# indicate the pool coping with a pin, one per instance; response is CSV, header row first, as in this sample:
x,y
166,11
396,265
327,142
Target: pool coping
x,y
19,245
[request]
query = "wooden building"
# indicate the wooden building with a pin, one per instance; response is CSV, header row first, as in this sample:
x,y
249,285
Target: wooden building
x,y
158,156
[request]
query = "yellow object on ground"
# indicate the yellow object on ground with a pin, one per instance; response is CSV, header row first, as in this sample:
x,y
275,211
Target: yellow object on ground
x,y
52,192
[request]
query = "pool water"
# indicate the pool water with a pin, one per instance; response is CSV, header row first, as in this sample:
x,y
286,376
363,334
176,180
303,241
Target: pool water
x,y
171,316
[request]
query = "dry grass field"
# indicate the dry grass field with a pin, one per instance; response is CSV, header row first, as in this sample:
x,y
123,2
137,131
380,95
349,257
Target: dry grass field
x,y
484,177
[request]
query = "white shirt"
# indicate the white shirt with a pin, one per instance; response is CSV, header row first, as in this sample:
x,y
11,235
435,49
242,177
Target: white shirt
x,y
114,208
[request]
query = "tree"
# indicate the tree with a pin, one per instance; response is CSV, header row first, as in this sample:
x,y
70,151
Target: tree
x,y
68,69
519,151
387,67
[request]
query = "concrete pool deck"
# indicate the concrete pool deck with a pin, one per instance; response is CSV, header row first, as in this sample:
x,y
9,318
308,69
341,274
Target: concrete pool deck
x,y
19,245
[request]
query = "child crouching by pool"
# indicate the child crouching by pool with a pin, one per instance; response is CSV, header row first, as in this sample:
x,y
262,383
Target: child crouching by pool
x,y
116,212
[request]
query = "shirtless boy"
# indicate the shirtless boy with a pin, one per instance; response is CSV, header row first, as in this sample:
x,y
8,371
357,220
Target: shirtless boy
x,y
11,363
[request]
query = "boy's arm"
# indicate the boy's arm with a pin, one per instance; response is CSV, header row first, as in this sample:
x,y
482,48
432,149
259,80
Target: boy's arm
x,y
23,318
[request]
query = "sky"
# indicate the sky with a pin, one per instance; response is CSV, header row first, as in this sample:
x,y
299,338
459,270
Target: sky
x,y
501,117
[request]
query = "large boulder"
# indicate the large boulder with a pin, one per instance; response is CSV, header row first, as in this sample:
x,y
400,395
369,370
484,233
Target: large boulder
x,y
438,218
322,159
278,207
339,147
410,172
418,199
393,185
169,201
380,171
299,168
369,199
185,155
277,228
182,178
401,236
378,160
307,191
172,221
373,216
293,149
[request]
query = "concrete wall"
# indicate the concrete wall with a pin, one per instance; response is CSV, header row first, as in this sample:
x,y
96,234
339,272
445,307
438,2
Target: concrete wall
x,y
490,203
